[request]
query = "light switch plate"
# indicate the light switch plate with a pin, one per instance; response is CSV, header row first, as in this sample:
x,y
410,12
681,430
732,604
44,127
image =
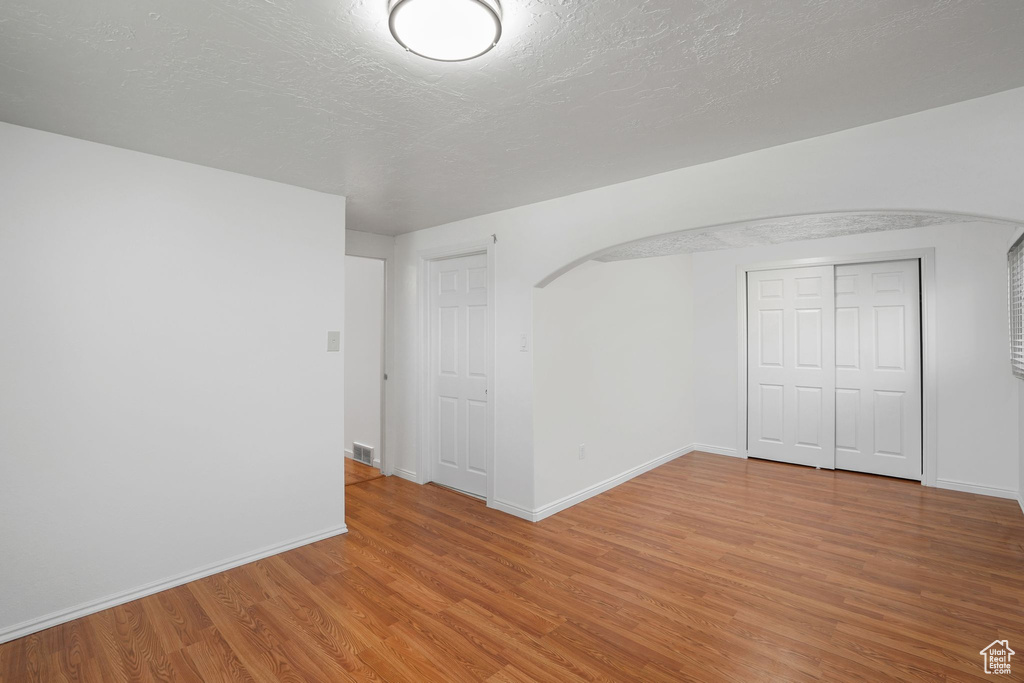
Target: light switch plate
x,y
333,341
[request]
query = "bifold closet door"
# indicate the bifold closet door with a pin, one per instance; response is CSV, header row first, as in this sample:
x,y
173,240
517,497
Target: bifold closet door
x,y
791,365
878,368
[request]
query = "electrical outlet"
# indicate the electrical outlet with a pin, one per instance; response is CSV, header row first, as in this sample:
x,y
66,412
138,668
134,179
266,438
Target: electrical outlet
x,y
583,451
333,342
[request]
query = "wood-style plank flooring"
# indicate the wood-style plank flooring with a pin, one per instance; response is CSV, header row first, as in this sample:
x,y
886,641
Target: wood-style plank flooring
x,y
706,569
357,472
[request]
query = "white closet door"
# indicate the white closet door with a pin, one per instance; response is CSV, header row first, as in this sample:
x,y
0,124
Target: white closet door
x,y
791,365
878,368
460,434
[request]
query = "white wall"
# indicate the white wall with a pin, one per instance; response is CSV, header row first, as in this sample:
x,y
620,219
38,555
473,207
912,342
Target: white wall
x,y
613,370
167,401
364,318
369,245
966,158
977,394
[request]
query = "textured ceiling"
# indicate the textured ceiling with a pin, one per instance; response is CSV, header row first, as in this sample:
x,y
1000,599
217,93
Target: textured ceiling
x,y
778,231
578,94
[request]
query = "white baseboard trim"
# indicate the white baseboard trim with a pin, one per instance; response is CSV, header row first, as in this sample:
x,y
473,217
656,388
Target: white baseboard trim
x,y
567,502
966,487
406,474
718,450
54,618
349,454
1020,501
514,510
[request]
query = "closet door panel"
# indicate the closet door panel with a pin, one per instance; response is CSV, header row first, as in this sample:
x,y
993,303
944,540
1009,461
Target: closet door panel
x,y
791,351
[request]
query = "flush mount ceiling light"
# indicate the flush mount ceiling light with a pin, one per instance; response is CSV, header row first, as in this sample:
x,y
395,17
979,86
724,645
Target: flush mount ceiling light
x,y
446,30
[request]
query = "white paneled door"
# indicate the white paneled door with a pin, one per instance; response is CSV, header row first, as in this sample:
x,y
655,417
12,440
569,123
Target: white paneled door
x,y
791,365
834,367
878,368
460,432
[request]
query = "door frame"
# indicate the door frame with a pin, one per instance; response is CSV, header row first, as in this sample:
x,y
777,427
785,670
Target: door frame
x,y
929,386
424,469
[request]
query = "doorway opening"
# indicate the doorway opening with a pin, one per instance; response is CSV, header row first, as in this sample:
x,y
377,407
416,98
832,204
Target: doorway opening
x,y
365,292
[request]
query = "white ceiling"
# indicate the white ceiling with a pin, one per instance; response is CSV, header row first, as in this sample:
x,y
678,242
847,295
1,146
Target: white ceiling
x,y
577,95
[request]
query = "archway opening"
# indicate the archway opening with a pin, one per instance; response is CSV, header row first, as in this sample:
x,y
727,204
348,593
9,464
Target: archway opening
x,y
636,347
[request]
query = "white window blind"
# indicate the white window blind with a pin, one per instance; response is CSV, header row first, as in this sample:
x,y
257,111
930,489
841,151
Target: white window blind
x,y
1015,262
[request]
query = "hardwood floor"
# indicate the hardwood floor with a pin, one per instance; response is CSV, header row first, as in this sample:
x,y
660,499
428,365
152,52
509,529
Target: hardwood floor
x,y
708,568
357,472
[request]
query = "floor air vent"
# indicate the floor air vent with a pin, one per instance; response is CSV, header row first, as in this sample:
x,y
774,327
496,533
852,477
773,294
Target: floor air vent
x,y
362,453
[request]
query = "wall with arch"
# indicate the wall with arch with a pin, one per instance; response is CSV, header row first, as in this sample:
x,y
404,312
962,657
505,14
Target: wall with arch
x,y
964,158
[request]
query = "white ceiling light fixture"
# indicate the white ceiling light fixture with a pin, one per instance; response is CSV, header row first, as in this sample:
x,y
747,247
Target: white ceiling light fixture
x,y
446,30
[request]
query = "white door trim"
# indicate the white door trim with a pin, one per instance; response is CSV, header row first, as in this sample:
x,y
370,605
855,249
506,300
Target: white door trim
x,y
929,394
424,473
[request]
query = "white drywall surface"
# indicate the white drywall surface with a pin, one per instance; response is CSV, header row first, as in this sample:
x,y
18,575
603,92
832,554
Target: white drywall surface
x,y
167,398
613,368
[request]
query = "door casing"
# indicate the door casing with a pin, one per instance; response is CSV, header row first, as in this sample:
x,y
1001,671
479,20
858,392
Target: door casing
x,y
929,393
